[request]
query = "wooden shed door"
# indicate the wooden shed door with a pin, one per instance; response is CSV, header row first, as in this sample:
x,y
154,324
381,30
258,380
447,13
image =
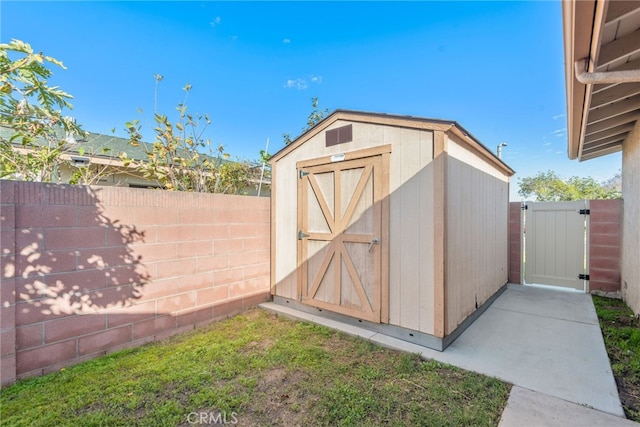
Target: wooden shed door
x,y
340,242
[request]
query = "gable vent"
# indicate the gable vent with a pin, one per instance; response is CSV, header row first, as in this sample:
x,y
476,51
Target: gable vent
x,y
339,135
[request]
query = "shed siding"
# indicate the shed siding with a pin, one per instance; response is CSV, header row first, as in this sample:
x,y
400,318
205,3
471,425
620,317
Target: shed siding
x,y
411,231
472,201
411,217
477,233
286,220
457,149
285,206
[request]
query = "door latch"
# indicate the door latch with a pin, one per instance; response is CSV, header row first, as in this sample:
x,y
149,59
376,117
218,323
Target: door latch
x,y
375,241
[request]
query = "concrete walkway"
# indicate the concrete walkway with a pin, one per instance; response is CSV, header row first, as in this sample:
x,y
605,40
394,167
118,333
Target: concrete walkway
x,y
547,343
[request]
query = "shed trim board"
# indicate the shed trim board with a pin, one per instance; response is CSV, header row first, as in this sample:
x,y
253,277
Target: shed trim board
x,y
411,122
423,182
369,152
384,233
439,235
272,242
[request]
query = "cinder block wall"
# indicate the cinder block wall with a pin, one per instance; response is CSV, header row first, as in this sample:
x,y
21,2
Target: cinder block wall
x,y
515,242
7,285
91,270
605,240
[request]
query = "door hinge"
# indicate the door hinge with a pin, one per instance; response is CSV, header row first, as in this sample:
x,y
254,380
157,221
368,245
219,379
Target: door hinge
x,y
302,173
524,207
583,276
302,235
584,211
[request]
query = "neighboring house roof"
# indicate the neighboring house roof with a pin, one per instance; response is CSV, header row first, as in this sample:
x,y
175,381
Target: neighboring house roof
x,y
95,148
100,146
93,145
395,120
601,36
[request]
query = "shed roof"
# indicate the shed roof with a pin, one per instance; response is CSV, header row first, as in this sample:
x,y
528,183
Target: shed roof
x,y
600,36
412,122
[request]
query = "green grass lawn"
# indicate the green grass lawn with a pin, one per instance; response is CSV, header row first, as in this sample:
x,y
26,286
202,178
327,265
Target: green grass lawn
x,y
257,369
621,332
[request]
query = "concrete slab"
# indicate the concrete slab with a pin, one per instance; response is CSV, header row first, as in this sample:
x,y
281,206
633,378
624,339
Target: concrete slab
x,y
543,302
541,340
551,352
531,408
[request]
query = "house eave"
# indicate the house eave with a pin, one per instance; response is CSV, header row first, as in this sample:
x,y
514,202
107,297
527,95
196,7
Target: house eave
x,y
602,47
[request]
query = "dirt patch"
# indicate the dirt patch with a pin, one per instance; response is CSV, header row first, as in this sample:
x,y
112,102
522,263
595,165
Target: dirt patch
x,y
273,377
262,345
629,396
283,400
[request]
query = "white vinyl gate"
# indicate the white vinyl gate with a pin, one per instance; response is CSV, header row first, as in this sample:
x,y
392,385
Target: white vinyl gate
x,y
555,249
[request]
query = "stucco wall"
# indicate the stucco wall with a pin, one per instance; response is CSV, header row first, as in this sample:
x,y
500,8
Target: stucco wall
x,y
631,219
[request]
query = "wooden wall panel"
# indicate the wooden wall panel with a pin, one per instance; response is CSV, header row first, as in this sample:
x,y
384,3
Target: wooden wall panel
x,y
405,259
411,230
477,236
285,203
459,150
410,217
425,207
285,218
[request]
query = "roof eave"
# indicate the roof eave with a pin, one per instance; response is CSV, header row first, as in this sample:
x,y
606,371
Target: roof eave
x,y
568,18
583,23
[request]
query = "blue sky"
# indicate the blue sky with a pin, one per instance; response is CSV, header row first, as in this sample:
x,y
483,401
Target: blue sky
x,y
495,67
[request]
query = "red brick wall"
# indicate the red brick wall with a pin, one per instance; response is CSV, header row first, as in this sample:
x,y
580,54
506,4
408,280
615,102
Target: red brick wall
x,y
91,270
605,238
515,242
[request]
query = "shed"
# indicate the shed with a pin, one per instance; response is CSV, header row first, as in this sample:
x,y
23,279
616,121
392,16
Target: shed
x,y
398,224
